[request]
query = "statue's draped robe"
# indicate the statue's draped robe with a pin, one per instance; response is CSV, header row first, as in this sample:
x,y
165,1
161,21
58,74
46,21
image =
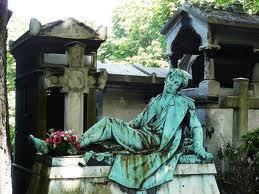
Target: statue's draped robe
x,y
144,171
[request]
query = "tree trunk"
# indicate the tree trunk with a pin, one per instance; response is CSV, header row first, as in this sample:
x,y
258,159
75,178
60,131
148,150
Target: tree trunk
x,y
5,152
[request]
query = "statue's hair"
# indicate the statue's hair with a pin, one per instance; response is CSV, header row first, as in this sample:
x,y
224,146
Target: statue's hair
x,y
181,73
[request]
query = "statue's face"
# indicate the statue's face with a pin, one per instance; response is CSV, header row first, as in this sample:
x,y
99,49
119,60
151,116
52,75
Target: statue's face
x,y
172,84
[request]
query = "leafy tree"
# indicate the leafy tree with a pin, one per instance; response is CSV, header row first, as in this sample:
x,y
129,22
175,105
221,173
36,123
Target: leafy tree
x,y
10,72
136,38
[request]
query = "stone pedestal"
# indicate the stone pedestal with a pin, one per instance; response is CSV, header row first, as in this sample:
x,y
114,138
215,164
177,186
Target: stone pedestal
x,y
64,175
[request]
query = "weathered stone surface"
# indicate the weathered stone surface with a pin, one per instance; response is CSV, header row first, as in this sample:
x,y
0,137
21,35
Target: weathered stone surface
x,y
241,103
209,88
49,58
217,124
35,26
70,178
253,119
74,112
69,28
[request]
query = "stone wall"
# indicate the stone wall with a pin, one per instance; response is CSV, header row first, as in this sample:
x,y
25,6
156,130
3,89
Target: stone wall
x,y
253,119
124,105
217,124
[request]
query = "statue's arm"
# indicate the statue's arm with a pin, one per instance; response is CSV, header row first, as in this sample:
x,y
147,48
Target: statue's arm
x,y
197,134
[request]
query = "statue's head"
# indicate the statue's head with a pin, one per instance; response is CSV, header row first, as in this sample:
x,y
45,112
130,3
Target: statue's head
x,y
176,79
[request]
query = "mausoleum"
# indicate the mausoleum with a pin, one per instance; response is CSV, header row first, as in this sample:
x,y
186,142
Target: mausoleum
x,y
220,49
60,85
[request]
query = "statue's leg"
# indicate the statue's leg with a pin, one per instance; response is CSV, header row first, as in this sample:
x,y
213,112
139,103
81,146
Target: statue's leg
x,y
100,131
119,132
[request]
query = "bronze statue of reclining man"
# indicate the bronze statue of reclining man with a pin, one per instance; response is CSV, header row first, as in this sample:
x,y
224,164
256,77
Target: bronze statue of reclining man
x,y
158,131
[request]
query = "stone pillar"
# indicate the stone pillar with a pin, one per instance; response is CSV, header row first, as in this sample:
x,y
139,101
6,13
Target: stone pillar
x,y
209,86
241,116
255,79
209,69
73,112
91,97
74,87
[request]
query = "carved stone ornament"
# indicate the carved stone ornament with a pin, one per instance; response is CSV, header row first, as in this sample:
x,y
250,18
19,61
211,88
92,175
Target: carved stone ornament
x,y
75,80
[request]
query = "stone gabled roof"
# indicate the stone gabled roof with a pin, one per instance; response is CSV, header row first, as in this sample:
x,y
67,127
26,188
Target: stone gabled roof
x,y
213,16
69,29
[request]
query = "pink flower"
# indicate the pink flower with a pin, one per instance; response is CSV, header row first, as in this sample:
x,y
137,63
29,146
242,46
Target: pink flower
x,y
57,139
72,138
77,144
62,138
49,140
58,133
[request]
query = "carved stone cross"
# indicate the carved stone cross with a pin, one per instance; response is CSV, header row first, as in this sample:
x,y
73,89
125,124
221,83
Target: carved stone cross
x,y
241,103
78,79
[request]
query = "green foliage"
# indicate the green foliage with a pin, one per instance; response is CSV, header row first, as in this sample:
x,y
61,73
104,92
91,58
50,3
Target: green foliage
x,y
252,144
136,34
136,38
250,6
242,175
10,72
10,81
11,103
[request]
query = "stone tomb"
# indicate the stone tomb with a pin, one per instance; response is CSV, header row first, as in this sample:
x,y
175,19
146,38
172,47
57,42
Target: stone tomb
x,y
64,175
56,93
128,89
220,49
41,79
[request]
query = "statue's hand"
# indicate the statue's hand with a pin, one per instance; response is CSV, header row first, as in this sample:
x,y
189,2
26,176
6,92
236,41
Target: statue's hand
x,y
208,157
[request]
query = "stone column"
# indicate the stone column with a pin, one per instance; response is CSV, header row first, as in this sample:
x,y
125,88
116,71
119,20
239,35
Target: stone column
x,y
91,97
255,79
74,87
209,86
209,69
241,115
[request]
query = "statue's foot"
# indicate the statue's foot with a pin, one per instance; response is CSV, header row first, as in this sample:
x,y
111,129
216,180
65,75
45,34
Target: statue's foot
x,y
40,145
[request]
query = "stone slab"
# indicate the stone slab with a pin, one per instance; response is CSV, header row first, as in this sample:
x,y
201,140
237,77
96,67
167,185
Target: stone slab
x,y
73,179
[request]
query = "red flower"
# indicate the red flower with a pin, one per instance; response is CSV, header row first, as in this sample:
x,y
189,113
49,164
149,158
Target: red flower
x,y
77,144
62,138
47,140
72,138
57,139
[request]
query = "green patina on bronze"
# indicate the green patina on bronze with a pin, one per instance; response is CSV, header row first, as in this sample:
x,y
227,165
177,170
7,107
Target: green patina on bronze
x,y
154,141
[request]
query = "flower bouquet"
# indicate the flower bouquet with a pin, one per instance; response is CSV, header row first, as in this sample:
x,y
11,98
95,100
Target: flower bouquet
x,y
62,143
